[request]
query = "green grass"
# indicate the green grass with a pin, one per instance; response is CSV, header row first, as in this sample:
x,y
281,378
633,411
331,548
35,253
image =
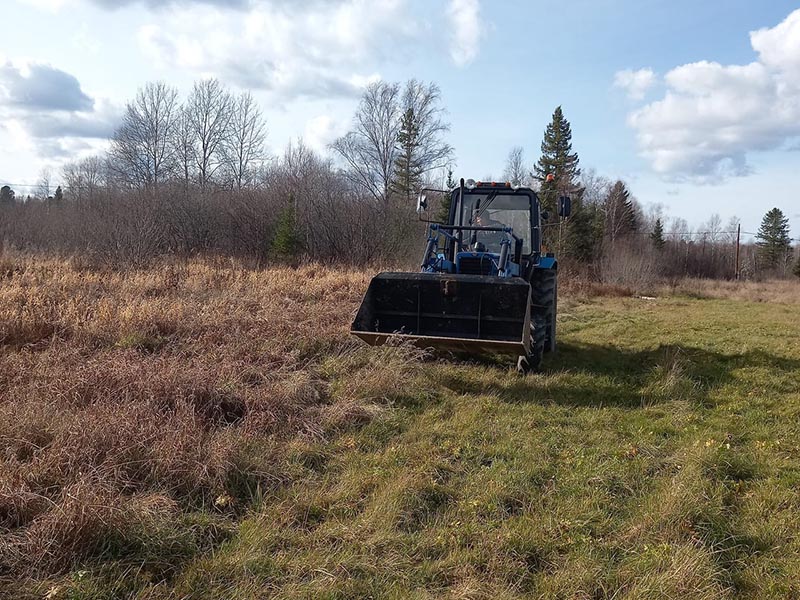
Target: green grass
x,y
656,457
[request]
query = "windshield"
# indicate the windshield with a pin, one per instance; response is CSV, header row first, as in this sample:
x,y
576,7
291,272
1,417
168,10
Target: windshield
x,y
497,210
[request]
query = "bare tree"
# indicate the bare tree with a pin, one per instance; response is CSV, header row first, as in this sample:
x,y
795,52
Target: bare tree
x,y
370,150
515,171
43,184
595,187
424,101
209,113
244,148
714,228
142,150
729,236
84,178
184,149
679,230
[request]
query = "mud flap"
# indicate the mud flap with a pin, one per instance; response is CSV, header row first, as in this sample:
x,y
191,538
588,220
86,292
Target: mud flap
x,y
469,313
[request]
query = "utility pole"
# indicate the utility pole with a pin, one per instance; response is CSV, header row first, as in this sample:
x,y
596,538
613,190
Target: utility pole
x,y
738,245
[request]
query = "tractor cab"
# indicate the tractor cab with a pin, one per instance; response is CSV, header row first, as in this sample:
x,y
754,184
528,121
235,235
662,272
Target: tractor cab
x,y
500,207
492,229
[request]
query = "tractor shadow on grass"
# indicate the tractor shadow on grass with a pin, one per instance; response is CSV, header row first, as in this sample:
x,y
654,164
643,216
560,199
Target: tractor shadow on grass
x,y
591,375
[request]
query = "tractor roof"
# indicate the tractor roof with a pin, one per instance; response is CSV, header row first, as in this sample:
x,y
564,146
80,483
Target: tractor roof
x,y
496,185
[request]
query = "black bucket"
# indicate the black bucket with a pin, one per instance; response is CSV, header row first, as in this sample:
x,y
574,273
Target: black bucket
x,y
470,313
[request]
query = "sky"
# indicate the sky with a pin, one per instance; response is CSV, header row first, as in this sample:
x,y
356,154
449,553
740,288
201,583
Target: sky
x,y
696,105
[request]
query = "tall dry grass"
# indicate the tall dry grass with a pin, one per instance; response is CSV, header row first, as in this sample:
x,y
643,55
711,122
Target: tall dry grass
x,y
130,402
781,291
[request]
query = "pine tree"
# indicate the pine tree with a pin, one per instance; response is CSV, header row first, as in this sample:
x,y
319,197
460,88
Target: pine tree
x,y
657,236
407,173
558,173
773,239
580,239
557,160
59,195
444,211
451,182
287,242
6,195
620,212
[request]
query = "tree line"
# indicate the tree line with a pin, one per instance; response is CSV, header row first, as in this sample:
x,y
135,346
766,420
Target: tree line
x,y
193,175
611,237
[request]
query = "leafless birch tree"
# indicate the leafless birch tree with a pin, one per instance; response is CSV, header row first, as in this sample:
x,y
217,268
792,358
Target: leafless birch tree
x,y
244,149
209,110
370,149
142,151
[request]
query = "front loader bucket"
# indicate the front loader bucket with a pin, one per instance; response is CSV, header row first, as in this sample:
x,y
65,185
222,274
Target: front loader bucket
x,y
469,313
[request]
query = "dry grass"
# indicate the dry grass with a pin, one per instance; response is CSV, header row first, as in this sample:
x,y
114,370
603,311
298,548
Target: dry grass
x,y
782,291
202,429
132,400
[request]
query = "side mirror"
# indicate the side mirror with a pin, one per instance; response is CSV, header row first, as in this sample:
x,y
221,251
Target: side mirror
x,y
422,203
545,215
564,206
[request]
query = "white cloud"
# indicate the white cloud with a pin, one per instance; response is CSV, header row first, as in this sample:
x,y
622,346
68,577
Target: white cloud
x,y
182,51
467,33
86,41
325,49
635,83
321,131
18,137
779,47
52,6
712,116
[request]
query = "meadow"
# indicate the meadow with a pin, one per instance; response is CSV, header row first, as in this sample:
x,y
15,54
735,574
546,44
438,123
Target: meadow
x,y
201,429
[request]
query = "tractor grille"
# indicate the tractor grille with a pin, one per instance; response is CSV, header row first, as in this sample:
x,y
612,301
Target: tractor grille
x,y
475,265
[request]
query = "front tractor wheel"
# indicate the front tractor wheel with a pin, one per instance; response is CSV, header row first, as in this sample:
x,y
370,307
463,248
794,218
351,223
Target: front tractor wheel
x,y
543,319
544,297
539,333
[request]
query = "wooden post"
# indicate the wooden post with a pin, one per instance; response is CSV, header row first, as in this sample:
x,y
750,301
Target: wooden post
x,y
738,244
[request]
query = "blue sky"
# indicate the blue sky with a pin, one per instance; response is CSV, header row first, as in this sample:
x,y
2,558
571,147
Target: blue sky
x,y
697,113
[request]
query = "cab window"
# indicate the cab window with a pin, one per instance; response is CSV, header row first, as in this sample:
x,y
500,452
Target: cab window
x,y
490,209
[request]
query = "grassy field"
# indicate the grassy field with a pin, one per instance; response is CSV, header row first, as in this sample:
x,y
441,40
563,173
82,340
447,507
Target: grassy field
x,y
201,430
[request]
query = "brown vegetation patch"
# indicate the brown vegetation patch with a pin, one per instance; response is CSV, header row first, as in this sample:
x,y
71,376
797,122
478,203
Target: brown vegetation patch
x,y
181,388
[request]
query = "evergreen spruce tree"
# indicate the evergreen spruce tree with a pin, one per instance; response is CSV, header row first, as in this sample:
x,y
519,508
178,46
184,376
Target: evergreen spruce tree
x,y
6,195
579,239
620,213
444,211
657,236
558,172
407,173
557,160
773,239
451,182
287,242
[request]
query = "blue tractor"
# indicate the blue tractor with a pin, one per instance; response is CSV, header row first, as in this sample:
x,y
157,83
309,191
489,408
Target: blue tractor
x,y
485,285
